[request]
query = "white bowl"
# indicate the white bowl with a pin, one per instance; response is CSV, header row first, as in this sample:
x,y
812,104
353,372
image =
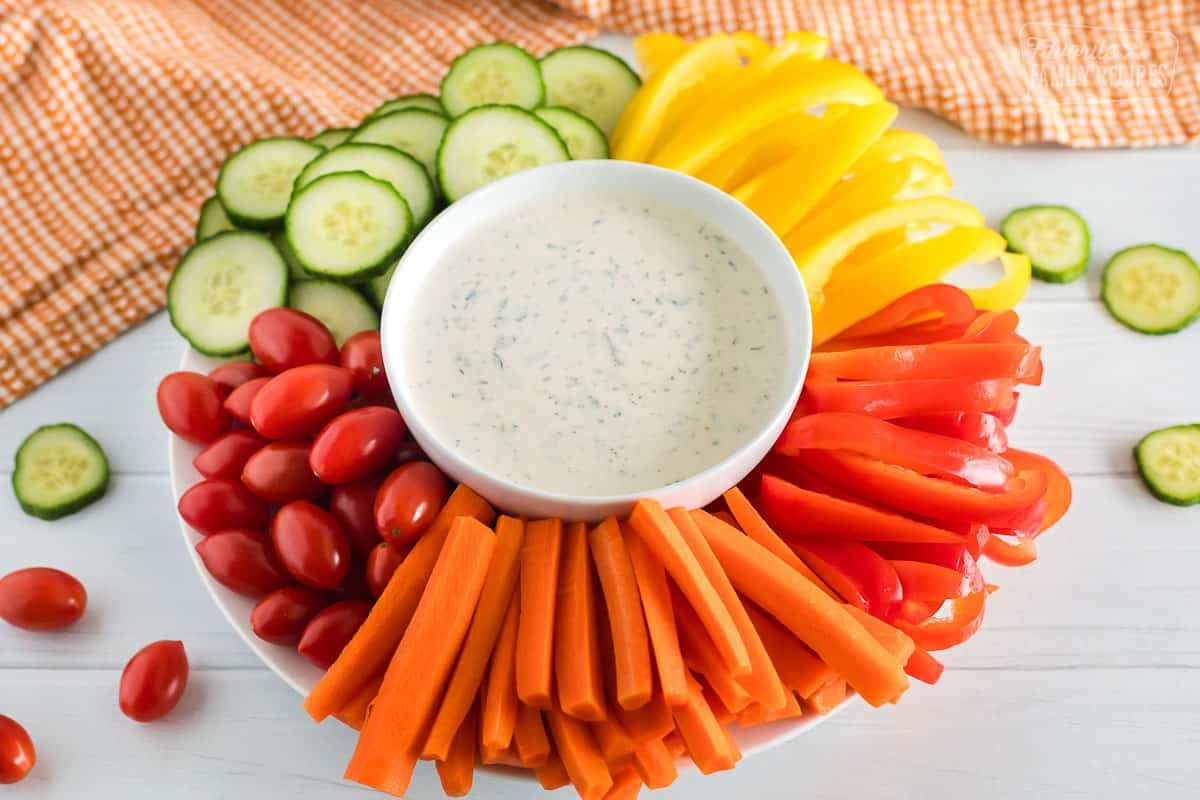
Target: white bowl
x,y
672,189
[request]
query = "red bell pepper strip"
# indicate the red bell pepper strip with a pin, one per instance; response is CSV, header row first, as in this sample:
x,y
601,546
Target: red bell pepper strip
x,y
965,361
869,581
1029,523
1008,413
924,667
890,399
949,304
1018,554
927,582
957,620
1058,485
950,556
926,453
917,611
981,430
992,326
800,512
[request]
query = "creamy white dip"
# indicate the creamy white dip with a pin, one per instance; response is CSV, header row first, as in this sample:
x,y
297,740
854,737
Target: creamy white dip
x,y
597,344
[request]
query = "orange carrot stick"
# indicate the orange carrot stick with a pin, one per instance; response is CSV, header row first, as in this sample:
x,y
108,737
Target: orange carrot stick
x,y
896,641
799,669
665,542
702,657
498,589
762,683
726,517
502,757
723,714
367,654
576,638
820,621
396,730
752,523
660,621
674,744
539,592
580,755
827,697
355,712
655,764
757,713
532,745
457,772
631,642
651,721
552,775
627,784
615,743
707,741
499,716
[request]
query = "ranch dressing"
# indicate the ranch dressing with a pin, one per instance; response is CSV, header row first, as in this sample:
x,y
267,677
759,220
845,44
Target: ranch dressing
x,y
595,344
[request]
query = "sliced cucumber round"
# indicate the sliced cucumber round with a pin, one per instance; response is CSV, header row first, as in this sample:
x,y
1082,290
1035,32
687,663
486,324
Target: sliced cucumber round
x,y
416,131
425,101
1169,461
581,136
491,142
590,81
59,470
377,287
220,285
347,226
255,183
491,74
341,308
295,269
1152,289
406,175
212,220
331,137
1055,238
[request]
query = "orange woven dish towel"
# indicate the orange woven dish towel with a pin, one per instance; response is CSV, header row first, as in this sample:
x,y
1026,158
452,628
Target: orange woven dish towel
x,y
115,114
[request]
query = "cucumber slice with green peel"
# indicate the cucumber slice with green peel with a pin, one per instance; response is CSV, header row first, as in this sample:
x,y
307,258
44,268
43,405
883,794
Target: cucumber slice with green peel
x,y
1152,289
491,142
416,131
376,288
331,137
255,183
589,81
1055,238
212,220
1169,461
341,308
59,470
498,73
581,136
296,270
220,285
406,175
425,101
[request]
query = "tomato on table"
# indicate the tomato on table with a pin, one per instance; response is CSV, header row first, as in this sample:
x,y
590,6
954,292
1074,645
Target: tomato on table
x,y
383,562
41,599
362,354
299,401
17,755
279,473
191,406
356,444
311,545
217,503
409,499
281,616
154,681
283,338
331,630
226,456
242,561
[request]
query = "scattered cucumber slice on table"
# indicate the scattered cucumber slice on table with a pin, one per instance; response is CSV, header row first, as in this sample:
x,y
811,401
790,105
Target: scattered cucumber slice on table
x,y
581,136
1152,289
220,285
491,74
343,310
425,101
589,81
490,142
331,137
1055,238
416,131
255,183
213,220
295,269
348,226
406,175
59,470
1169,460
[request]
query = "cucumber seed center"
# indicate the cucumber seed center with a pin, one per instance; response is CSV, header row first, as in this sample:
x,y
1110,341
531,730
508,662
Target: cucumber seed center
x,y
348,224
487,84
507,159
1147,285
59,470
221,293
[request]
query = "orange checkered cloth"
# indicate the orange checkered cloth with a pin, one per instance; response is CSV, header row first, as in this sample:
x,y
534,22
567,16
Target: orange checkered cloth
x,y
115,114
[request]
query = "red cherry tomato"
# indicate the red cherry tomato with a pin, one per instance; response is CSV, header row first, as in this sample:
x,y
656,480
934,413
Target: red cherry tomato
x,y
232,375
311,545
384,560
242,561
282,338
279,473
153,681
329,631
219,503
190,406
356,444
17,755
226,456
237,404
363,356
409,450
408,501
41,599
281,616
298,402
355,586
353,506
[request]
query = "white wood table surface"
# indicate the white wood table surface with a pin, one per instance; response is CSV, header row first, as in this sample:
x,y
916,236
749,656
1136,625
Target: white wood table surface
x,y
1084,681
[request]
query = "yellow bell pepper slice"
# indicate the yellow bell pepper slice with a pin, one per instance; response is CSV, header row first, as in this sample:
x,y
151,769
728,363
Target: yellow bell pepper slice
x,y
816,260
786,192
858,292
806,43
797,84
885,242
760,150
721,79
1009,290
898,143
655,51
